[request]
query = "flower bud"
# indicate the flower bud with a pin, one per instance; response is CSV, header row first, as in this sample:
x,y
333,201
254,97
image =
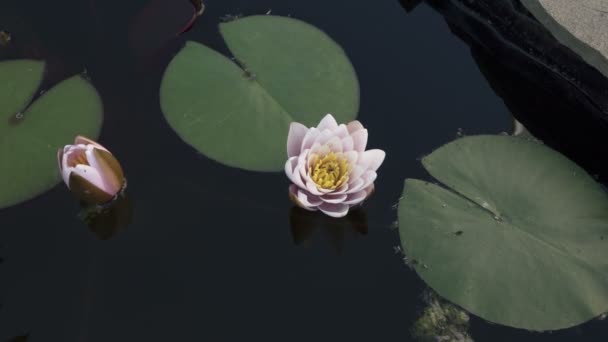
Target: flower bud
x,y
90,171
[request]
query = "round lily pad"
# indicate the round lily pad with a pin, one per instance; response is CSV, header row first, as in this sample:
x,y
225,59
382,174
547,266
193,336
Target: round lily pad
x,y
238,112
518,234
30,134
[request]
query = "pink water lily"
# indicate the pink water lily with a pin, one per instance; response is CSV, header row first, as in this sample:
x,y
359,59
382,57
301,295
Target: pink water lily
x,y
330,169
90,171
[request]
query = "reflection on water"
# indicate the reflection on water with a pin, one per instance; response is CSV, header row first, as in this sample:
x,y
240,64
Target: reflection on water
x,y
409,5
106,221
305,223
151,28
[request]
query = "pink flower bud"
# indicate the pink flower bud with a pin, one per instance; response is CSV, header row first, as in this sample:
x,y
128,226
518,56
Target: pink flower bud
x,y
90,171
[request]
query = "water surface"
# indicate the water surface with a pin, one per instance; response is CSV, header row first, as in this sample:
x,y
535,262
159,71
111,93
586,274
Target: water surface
x,y
215,253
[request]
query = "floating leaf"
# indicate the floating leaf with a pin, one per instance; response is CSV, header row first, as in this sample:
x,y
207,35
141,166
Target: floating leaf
x,y
240,115
519,236
31,134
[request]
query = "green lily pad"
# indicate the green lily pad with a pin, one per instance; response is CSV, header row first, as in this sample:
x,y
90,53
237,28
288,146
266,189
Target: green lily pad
x,y
238,112
518,235
30,135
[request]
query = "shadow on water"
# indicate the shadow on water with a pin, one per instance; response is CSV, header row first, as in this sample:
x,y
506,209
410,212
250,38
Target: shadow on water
x,y
559,98
305,223
106,221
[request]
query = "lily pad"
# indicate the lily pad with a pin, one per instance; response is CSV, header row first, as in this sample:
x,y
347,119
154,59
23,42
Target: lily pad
x,y
238,112
518,235
31,134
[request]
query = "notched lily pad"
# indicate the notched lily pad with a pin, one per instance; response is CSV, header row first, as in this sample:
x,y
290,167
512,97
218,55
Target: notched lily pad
x,y
514,235
238,113
31,133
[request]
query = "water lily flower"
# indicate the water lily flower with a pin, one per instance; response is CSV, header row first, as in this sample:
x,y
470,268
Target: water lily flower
x,y
330,169
90,171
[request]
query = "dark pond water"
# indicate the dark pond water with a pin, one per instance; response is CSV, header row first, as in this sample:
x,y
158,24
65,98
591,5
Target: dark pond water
x,y
220,254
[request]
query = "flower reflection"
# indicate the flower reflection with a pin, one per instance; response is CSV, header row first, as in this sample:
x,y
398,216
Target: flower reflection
x,y
107,220
305,223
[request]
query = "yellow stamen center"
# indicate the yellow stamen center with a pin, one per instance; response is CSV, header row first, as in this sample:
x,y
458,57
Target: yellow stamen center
x,y
329,171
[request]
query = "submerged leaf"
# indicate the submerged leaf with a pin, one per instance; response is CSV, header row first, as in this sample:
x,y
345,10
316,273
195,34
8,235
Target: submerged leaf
x,y
152,28
517,236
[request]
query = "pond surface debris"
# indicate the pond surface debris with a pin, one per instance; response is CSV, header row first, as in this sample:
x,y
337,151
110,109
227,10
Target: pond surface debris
x,y
441,322
5,38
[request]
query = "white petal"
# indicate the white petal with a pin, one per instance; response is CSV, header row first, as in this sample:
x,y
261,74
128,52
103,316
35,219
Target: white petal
x,y
292,171
309,138
372,159
328,122
355,173
334,198
355,185
354,126
80,140
304,198
366,180
352,157
360,140
348,143
91,175
341,131
323,138
65,174
341,189
112,183
334,210
296,135
303,165
335,145
356,198
68,151
320,150
313,188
